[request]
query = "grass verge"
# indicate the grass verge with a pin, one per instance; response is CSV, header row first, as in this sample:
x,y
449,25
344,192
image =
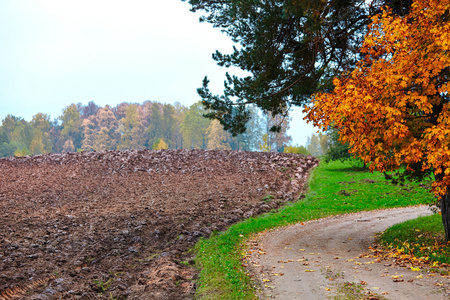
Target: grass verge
x,y
422,239
334,188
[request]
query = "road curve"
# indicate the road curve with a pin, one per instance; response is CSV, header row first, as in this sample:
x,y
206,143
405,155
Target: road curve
x,y
311,260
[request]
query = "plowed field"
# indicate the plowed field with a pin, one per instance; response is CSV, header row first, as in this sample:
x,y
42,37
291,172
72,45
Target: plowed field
x,y
119,224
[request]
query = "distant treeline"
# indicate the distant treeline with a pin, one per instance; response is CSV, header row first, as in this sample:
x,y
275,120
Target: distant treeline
x,y
150,125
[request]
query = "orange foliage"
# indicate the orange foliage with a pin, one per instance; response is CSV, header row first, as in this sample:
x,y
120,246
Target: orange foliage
x,y
393,108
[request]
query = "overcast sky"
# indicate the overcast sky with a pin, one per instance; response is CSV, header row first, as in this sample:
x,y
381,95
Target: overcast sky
x,y
57,52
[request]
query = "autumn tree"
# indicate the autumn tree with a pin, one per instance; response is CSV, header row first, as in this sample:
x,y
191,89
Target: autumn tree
x,y
160,145
41,141
324,143
5,148
265,145
7,145
72,127
24,135
55,135
394,108
101,131
120,110
317,144
8,126
88,110
217,137
154,125
108,136
178,119
168,125
297,150
131,129
89,130
194,127
41,122
17,136
313,145
131,126
68,146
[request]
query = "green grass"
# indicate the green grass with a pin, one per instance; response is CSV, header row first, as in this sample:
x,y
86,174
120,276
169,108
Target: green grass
x,y
422,237
353,291
335,188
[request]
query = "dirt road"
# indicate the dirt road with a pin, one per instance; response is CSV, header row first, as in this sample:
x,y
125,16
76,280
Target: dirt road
x,y
313,260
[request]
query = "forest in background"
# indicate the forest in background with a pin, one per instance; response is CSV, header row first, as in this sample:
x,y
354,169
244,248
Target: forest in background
x,y
150,125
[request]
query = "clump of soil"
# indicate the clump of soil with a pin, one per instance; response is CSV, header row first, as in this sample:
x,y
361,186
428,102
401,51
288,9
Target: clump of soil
x,y
119,224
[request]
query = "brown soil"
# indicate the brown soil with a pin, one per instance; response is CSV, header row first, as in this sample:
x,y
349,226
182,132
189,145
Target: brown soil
x,y
120,224
316,259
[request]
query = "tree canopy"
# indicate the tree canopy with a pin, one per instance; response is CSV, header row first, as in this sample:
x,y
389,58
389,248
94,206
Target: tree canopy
x,y
150,125
289,48
393,109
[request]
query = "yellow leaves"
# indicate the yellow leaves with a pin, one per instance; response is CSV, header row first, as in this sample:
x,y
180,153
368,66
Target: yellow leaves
x,y
285,262
336,82
435,264
375,19
379,107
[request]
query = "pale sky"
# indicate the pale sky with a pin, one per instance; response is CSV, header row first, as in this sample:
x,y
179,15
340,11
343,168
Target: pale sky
x,y
57,52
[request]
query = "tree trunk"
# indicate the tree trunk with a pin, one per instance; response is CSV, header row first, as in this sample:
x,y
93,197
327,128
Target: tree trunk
x,y
445,211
